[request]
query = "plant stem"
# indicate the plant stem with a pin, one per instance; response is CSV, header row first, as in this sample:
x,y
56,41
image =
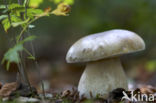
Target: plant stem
x,y
32,48
19,66
22,65
25,27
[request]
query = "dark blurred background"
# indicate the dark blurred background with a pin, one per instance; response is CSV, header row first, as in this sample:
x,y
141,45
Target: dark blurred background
x,y
57,33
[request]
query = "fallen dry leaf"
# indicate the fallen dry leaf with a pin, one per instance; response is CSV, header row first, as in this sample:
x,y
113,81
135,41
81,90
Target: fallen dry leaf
x,y
7,89
24,90
62,9
48,9
147,89
66,93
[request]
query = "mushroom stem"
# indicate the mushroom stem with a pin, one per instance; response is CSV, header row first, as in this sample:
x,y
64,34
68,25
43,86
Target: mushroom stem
x,y
101,77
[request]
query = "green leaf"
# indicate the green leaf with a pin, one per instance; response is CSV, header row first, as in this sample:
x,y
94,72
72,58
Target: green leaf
x,y
3,17
14,5
16,9
31,57
35,3
15,24
15,18
5,11
8,65
31,12
70,2
2,7
12,55
6,24
29,38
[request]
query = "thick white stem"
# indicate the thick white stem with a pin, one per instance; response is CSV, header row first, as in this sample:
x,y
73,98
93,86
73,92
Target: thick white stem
x,y
101,77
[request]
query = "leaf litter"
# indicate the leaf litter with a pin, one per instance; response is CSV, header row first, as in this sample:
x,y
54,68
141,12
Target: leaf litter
x,y
22,93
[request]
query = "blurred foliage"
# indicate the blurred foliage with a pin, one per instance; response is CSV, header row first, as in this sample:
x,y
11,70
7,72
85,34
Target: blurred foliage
x,y
151,65
35,3
70,2
12,55
92,16
18,14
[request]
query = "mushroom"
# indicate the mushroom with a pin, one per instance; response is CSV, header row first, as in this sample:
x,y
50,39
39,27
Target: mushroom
x,y
101,52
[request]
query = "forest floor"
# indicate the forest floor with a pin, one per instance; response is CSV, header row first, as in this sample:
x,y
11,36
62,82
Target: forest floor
x,y
18,93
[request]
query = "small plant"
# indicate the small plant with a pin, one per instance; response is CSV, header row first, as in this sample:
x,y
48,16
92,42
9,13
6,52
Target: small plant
x,y
21,14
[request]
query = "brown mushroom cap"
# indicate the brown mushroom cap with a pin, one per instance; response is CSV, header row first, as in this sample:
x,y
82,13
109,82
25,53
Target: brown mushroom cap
x,y
104,45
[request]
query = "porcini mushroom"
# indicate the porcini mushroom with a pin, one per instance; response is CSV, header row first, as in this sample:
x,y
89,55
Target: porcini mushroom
x,y
101,52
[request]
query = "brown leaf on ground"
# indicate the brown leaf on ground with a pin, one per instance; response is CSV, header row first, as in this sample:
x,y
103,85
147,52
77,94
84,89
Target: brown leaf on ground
x,y
147,89
66,93
7,89
24,90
